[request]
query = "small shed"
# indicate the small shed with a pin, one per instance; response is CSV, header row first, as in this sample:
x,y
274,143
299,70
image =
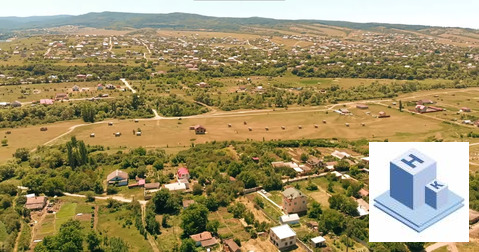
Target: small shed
x,y
383,114
138,133
362,106
110,124
117,134
199,130
92,135
61,96
318,242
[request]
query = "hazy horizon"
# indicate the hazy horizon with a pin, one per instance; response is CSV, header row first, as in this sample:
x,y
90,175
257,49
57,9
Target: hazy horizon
x,y
442,13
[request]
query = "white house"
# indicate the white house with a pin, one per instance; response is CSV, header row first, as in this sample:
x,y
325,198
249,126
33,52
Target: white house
x,y
176,186
282,236
289,219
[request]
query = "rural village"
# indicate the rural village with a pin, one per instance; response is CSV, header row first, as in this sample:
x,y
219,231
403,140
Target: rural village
x,y
202,140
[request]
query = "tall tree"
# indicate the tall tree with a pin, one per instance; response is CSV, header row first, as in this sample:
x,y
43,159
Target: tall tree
x,y
194,219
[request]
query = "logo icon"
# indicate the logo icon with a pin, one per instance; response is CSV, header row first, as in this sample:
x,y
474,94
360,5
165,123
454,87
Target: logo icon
x,y
415,197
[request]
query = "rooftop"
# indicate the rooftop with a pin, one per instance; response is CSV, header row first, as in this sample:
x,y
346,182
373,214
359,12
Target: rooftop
x,y
292,193
117,173
283,231
318,239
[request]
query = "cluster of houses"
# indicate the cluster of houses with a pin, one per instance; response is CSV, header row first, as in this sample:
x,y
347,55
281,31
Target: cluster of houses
x,y
315,162
294,204
121,178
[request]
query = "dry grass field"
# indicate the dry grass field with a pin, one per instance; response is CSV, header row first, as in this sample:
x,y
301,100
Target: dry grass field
x,y
30,137
175,133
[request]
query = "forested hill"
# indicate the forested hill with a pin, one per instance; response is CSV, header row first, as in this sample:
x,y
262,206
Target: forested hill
x,y
117,20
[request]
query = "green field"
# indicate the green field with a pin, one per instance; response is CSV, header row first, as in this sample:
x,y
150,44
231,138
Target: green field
x,y
113,225
67,211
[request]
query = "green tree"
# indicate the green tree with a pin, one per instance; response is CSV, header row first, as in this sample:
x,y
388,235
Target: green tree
x,y
69,238
415,246
152,225
197,189
164,221
166,202
88,112
188,245
194,219
331,221
22,153
116,244
93,241
212,226
315,210
304,157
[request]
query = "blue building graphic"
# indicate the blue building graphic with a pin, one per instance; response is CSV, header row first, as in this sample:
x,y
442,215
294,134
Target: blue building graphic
x,y
415,197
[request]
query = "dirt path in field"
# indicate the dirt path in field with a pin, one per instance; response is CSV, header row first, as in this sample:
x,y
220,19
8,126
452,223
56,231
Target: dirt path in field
x,y
223,221
95,218
451,246
69,131
15,247
128,85
150,238
116,197
36,225
111,46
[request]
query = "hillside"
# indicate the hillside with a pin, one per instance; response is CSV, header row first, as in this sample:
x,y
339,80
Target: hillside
x,y
117,20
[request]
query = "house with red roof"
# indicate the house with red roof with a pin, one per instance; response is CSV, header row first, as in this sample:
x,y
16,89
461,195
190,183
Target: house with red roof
x,y
199,130
183,173
204,239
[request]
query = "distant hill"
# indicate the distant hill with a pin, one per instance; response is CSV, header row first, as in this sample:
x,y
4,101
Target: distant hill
x,y
118,20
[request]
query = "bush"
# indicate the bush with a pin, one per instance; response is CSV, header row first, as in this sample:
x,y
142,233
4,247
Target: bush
x,y
311,187
111,190
90,196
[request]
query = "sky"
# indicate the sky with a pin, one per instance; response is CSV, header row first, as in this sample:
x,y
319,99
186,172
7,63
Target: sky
x,y
460,13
